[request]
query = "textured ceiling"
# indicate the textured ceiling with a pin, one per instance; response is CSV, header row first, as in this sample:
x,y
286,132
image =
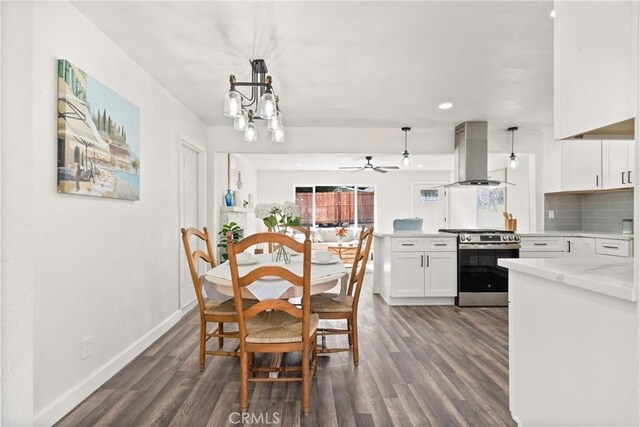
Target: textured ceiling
x,y
349,64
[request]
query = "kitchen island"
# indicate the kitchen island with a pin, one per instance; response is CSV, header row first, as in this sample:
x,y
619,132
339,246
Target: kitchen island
x,y
572,341
413,268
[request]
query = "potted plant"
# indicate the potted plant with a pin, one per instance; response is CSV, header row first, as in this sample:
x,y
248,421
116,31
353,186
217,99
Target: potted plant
x,y
341,232
236,231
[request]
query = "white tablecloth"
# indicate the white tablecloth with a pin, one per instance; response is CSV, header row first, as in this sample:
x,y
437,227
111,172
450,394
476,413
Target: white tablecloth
x,y
218,286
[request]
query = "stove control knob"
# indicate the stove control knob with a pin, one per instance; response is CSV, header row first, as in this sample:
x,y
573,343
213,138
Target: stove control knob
x,y
465,238
510,237
516,237
504,237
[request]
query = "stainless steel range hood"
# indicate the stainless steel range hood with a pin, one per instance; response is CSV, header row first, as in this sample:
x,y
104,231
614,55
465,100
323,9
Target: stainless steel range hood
x,y
472,156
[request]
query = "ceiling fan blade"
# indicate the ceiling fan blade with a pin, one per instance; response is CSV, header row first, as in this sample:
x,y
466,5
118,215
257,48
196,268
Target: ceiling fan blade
x,y
388,167
358,170
379,170
350,167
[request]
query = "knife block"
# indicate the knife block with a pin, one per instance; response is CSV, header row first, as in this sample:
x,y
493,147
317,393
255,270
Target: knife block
x,y
511,224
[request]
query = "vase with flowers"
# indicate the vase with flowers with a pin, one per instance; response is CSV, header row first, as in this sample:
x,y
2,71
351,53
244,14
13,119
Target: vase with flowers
x,y
341,232
278,217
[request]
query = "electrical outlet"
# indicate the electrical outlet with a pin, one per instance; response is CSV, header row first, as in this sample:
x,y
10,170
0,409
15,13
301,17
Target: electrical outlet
x,y
552,214
86,345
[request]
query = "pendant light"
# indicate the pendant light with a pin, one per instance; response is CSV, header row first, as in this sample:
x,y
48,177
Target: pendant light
x,y
240,123
251,133
405,154
513,161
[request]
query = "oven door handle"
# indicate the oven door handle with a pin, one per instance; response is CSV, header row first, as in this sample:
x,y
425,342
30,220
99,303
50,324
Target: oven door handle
x,y
464,246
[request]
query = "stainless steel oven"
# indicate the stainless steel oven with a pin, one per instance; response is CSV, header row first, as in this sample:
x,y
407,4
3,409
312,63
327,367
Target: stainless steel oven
x,y
481,281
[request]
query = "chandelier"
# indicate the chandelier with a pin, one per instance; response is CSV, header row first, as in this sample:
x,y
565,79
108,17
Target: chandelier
x,y
261,105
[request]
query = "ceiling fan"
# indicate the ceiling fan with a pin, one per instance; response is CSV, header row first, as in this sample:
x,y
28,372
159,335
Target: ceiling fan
x,y
369,167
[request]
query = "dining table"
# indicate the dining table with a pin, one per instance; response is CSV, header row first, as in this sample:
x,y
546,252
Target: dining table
x,y
325,276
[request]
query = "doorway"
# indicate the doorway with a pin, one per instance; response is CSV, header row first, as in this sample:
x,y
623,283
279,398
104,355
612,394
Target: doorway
x,y
430,204
192,211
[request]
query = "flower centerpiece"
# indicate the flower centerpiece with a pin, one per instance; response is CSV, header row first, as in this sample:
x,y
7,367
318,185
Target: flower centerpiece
x,y
341,232
278,217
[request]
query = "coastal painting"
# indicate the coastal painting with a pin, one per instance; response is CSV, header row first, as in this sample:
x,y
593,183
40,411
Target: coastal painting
x,y
491,202
98,138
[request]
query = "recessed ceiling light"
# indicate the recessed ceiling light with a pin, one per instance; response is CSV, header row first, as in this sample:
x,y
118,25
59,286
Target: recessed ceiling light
x,y
419,166
299,165
552,14
445,105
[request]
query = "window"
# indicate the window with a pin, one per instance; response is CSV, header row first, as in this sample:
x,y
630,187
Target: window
x,y
336,206
429,196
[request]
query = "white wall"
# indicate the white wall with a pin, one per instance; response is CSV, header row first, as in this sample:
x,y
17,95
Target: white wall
x,y
393,190
80,266
219,186
527,198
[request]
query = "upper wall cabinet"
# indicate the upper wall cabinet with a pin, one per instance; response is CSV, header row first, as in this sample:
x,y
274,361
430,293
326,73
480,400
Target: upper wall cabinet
x,y
595,65
581,165
618,163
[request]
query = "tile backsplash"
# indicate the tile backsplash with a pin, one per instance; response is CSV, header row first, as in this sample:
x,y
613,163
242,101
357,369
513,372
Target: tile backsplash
x,y
595,212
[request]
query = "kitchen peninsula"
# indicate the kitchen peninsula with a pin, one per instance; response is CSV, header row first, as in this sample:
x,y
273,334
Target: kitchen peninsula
x,y
572,341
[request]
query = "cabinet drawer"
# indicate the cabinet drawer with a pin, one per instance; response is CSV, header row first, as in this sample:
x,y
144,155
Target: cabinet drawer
x,y
613,247
541,244
408,244
441,245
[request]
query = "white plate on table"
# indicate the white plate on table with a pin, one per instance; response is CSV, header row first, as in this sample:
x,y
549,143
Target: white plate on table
x,y
250,261
331,261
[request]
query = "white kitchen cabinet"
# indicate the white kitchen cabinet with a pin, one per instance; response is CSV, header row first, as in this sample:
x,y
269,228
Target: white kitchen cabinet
x,y
579,247
618,163
416,269
424,274
581,165
595,65
441,274
541,247
613,247
408,274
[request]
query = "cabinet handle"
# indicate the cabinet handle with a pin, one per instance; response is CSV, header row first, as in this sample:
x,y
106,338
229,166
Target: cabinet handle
x,y
421,260
440,244
428,261
597,181
623,177
610,247
408,244
629,177
568,247
539,244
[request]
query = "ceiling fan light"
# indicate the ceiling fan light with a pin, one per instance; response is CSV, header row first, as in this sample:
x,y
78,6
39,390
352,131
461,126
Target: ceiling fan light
x,y
251,134
232,104
240,123
267,107
277,135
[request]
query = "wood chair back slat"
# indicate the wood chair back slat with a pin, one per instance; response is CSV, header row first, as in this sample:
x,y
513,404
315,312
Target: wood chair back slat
x,y
194,256
240,282
358,270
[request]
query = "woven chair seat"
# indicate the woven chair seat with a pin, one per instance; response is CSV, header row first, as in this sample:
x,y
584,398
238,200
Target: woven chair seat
x,y
227,308
324,303
278,327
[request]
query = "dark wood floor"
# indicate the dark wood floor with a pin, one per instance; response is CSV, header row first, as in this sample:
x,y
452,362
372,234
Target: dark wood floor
x,y
418,366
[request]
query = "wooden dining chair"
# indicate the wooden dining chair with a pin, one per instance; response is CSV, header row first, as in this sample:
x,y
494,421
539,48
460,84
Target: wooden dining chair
x,y
329,309
275,325
210,311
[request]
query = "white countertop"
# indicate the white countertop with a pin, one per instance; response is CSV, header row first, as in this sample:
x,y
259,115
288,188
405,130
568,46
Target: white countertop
x,y
414,234
615,236
612,277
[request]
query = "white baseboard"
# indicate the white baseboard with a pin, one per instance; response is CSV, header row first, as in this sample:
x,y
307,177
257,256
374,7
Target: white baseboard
x,y
57,409
189,307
